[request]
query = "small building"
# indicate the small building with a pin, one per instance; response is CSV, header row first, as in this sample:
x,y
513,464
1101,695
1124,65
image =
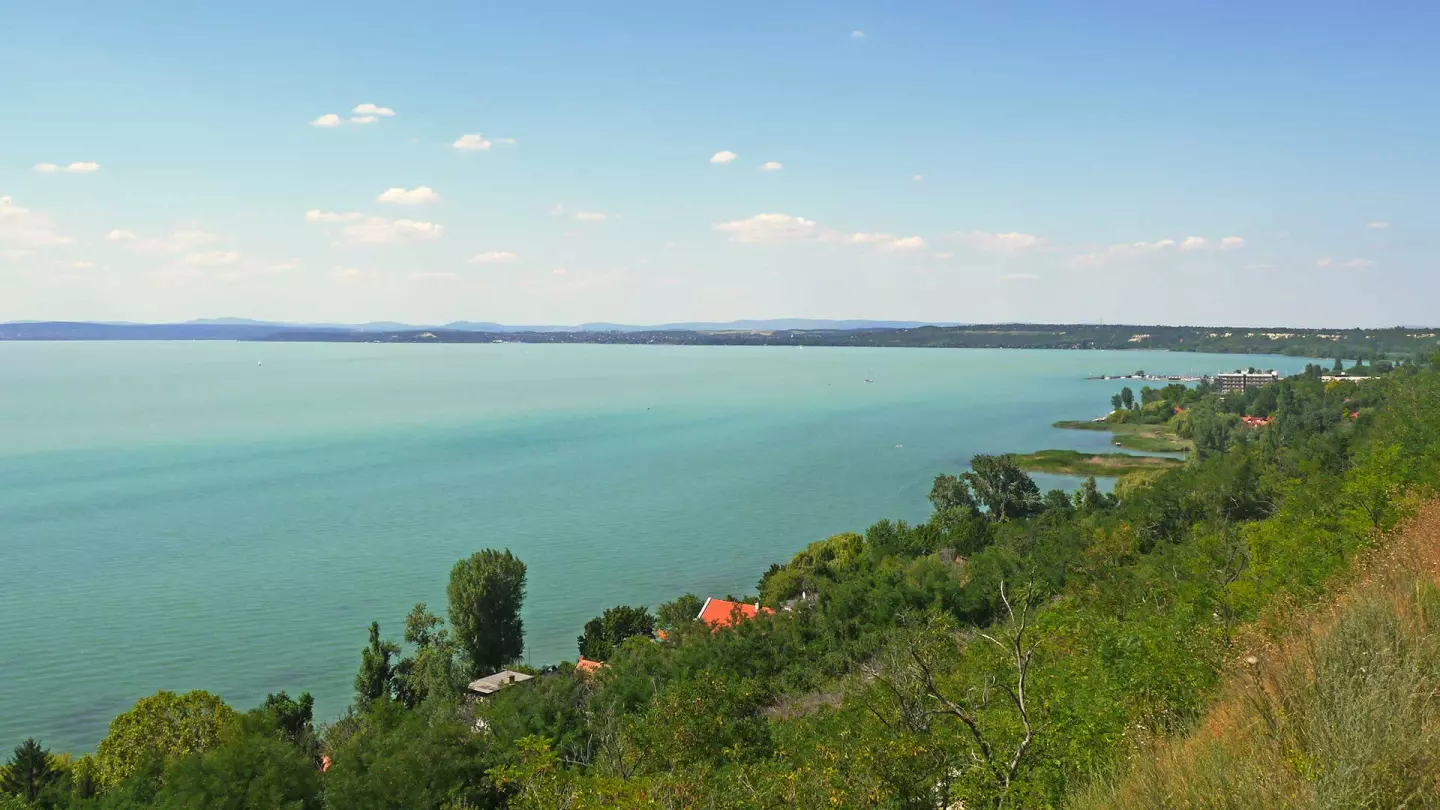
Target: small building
x,y
1232,381
490,684
720,613
1257,421
589,667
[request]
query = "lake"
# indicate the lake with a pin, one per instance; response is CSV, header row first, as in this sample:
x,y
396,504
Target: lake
x,y
232,516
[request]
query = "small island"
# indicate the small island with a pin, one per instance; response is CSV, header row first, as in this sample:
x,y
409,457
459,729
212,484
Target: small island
x,y
1074,462
1160,438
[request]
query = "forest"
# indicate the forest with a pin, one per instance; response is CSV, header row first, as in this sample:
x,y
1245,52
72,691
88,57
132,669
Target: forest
x,y
1246,629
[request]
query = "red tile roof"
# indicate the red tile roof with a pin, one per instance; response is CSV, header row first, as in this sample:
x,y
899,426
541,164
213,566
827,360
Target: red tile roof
x,y
719,613
1256,421
587,666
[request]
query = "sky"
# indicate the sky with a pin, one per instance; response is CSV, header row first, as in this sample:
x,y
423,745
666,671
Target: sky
x,y
1221,163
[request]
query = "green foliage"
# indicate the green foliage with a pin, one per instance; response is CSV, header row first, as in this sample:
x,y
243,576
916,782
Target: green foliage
x,y
29,772
433,672
246,772
376,678
158,729
679,612
486,591
951,492
606,632
1005,490
392,758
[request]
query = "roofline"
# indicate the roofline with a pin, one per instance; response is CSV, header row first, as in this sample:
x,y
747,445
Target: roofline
x,y
701,614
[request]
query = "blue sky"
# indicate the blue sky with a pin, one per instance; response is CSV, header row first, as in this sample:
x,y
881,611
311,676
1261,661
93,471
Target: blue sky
x,y
1135,162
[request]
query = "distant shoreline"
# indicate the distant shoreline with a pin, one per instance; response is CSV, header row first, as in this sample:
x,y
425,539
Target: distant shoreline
x,y
1391,343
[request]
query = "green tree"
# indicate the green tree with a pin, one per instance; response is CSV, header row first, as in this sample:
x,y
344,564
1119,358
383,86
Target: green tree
x,y
246,772
415,760
1117,402
678,612
432,672
1088,497
160,728
376,678
1005,490
486,591
292,720
1127,398
951,492
607,631
29,772
1058,499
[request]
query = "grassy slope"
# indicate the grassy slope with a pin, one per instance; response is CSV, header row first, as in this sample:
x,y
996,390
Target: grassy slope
x,y
1145,438
1339,709
1072,462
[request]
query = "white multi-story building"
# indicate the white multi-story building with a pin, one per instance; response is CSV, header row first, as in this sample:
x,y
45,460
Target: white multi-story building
x,y
1244,380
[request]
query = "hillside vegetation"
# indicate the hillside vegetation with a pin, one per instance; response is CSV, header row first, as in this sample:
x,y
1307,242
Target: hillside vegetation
x,y
1017,649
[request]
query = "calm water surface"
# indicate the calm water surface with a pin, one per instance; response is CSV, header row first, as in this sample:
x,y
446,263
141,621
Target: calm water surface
x,y
231,516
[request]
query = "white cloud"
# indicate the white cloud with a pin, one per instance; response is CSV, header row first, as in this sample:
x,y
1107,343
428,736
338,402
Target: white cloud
x,y
559,271
885,241
1194,243
944,255
773,229
1232,243
1000,242
286,266
919,178
857,34
182,241
723,157
786,229
371,109
905,243
22,228
69,168
506,141
1138,248
1018,277
772,166
591,216
360,229
557,209
212,258
415,196
1377,225
473,142
1348,264
331,216
494,257
362,114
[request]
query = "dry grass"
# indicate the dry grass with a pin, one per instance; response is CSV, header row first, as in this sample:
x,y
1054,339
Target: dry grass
x,y
1343,712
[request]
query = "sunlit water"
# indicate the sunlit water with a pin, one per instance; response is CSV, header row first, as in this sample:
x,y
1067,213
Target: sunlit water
x,y
231,516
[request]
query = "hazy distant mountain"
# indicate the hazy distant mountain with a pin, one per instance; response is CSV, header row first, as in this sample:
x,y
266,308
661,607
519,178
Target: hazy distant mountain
x,y
230,328
694,326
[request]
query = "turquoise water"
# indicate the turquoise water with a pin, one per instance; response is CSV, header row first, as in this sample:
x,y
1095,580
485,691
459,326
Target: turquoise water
x,y
231,516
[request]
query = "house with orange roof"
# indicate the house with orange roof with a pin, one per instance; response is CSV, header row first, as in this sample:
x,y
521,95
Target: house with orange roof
x,y
720,613
589,667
